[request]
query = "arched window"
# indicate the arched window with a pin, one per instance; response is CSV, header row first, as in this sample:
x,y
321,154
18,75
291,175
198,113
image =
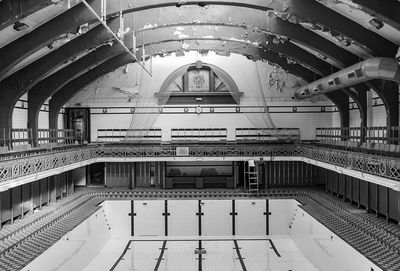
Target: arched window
x,y
200,83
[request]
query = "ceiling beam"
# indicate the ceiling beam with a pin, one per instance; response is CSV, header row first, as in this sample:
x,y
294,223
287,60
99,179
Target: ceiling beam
x,y
50,85
12,10
387,11
69,21
73,87
15,85
314,12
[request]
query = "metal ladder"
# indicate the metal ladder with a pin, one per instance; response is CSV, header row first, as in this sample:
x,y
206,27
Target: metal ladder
x,y
252,173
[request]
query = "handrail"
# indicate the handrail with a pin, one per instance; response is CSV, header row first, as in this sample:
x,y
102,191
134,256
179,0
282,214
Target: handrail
x,y
376,134
23,139
387,167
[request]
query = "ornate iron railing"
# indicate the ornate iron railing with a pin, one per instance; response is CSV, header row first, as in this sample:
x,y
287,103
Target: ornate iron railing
x,y
16,167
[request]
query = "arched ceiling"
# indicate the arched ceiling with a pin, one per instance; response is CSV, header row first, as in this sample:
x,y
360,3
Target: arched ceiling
x,y
309,38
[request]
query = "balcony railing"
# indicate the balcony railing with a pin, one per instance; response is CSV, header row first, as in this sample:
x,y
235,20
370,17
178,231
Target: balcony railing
x,y
23,139
372,134
387,167
126,135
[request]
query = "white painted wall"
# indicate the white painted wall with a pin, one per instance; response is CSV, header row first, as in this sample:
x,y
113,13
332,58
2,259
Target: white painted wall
x,y
282,213
355,119
61,121
149,210
379,113
20,118
43,120
117,217
250,220
183,220
217,220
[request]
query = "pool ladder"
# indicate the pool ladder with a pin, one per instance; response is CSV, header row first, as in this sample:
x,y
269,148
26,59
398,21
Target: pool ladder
x,y
252,173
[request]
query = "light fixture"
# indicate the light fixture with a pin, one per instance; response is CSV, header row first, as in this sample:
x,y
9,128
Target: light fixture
x,y
19,26
376,23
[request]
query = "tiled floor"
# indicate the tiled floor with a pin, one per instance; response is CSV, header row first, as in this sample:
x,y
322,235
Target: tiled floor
x,y
220,255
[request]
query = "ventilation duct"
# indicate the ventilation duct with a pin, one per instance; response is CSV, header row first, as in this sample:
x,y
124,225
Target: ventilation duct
x,y
373,68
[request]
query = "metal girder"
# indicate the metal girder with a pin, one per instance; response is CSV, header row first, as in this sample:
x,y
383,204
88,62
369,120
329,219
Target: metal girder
x,y
387,11
47,87
342,103
314,12
14,86
234,33
12,10
67,22
360,98
389,93
231,14
70,89
257,21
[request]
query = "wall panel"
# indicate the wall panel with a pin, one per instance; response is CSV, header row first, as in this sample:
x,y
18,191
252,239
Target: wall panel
x,y
373,197
382,200
393,205
36,193
44,191
5,205
16,196
26,197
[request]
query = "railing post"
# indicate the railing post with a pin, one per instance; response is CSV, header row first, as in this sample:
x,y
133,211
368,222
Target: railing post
x,y
10,139
344,133
393,135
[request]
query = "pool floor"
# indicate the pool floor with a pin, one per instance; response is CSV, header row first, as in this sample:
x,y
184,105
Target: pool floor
x,y
201,235
225,253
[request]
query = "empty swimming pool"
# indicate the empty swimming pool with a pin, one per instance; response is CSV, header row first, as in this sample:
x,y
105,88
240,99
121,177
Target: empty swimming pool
x,y
251,234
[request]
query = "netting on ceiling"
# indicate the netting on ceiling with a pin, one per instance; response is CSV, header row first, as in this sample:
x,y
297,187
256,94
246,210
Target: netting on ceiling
x,y
147,107
256,98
